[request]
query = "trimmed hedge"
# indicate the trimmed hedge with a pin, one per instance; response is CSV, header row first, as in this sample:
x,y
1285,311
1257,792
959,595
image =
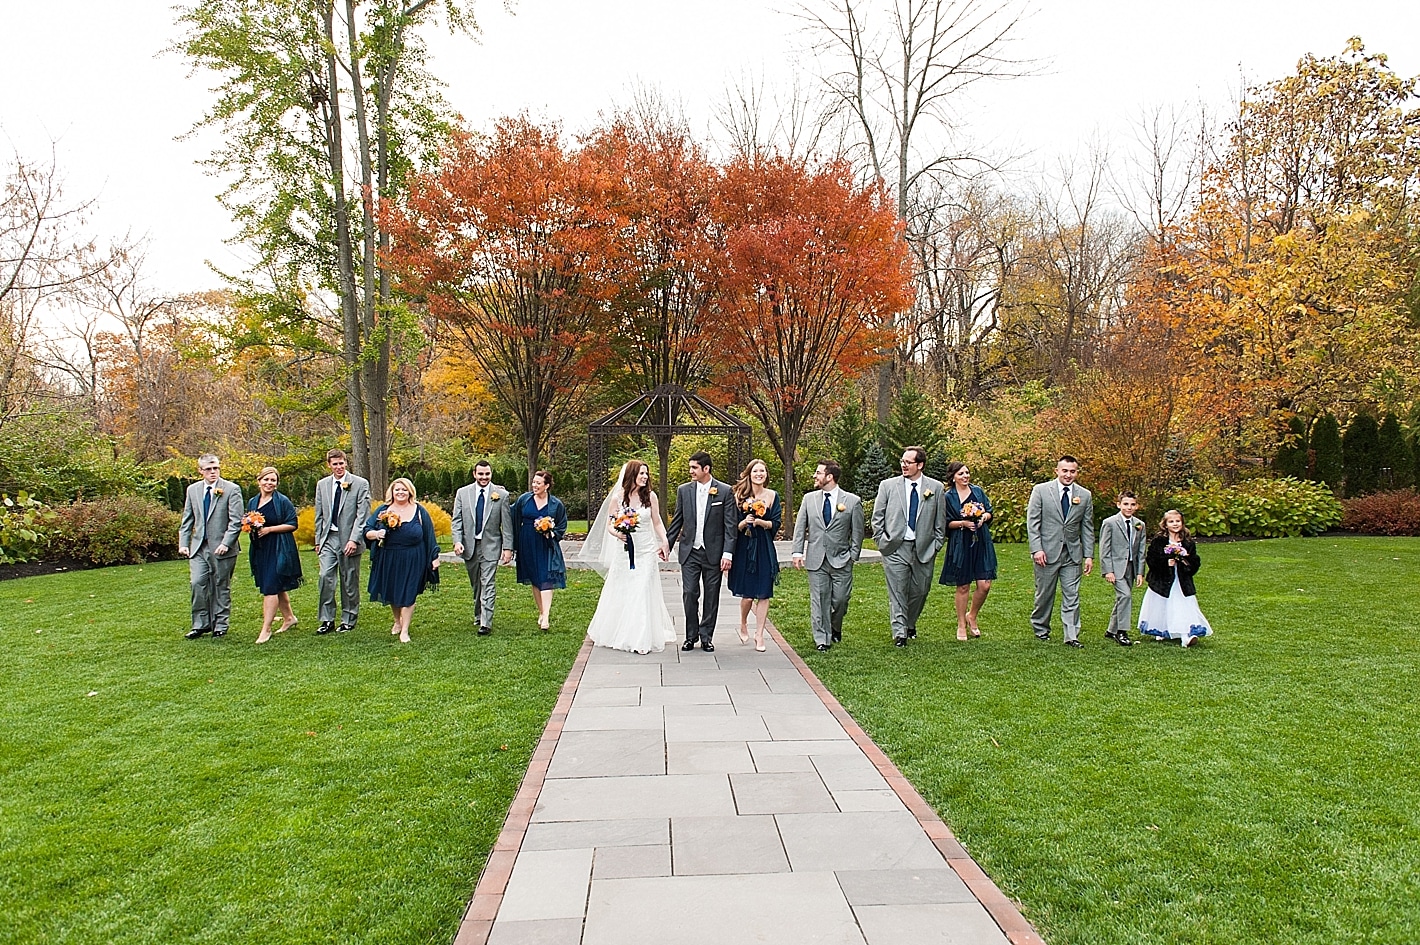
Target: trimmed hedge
x,y
1384,513
1259,508
120,529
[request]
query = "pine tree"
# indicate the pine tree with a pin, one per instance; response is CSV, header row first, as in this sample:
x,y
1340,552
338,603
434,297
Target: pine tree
x,y
850,435
1291,458
1360,449
876,467
914,421
1326,452
1393,456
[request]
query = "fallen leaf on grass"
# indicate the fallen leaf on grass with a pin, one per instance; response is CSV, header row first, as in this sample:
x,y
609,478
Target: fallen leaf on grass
x,y
29,600
994,742
93,692
1152,827
311,734
502,747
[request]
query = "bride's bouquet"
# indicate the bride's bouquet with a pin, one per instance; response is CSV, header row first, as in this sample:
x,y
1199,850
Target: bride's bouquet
x,y
625,522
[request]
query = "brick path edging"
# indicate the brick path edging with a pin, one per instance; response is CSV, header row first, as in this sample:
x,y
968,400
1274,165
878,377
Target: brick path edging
x,y
1001,908
477,922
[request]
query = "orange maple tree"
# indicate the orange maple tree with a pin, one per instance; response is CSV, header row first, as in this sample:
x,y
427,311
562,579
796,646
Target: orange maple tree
x,y
513,241
814,267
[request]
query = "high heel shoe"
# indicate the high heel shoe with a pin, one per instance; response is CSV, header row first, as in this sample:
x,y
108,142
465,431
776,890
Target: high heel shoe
x,y
542,621
961,634
264,635
975,630
744,634
287,626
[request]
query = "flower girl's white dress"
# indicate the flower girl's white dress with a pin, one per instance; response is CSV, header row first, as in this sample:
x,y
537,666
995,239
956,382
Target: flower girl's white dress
x,y
631,613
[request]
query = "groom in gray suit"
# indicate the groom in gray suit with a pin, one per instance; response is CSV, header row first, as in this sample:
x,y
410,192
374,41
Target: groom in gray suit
x,y
483,538
910,527
209,538
1060,526
704,521
342,505
828,538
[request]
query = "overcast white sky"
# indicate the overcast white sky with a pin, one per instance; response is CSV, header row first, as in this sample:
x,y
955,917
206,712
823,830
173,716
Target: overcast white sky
x,y
88,74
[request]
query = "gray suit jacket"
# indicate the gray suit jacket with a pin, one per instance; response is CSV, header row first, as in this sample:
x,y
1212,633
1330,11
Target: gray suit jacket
x,y
223,524
1072,537
720,521
497,522
840,542
354,510
890,517
1122,544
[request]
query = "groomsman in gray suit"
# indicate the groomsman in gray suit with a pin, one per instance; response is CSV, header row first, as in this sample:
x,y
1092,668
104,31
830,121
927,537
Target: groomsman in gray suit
x,y
828,538
1060,526
209,538
483,538
342,505
1122,563
704,521
910,527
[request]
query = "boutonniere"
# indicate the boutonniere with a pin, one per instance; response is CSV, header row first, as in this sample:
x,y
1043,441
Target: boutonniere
x,y
926,493
714,490
842,507
1138,524
218,491
496,496
1075,500
345,485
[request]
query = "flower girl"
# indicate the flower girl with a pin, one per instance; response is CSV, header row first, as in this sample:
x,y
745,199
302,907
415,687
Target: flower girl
x,y
1170,610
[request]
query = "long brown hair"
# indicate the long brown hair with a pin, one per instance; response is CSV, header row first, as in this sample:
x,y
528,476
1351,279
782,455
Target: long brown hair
x,y
744,488
628,482
1183,533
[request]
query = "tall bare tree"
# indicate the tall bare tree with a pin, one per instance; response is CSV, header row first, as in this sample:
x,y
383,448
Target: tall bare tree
x,y
897,82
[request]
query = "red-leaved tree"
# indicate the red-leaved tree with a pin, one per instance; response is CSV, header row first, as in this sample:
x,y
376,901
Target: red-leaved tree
x,y
513,241
814,267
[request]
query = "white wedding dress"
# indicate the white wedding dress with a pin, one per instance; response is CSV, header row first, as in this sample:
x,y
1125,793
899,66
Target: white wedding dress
x,y
631,612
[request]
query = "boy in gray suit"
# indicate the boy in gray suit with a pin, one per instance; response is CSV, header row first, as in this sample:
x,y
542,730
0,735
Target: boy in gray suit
x,y
910,527
209,538
483,538
342,505
1122,561
828,538
1060,526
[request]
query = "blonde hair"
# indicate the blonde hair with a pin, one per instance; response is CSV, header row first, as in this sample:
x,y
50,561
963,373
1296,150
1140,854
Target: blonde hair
x,y
389,493
267,471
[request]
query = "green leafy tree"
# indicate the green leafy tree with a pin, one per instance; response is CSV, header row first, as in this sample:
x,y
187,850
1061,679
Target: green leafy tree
x,y
1327,464
323,107
1360,449
1393,456
1291,457
850,435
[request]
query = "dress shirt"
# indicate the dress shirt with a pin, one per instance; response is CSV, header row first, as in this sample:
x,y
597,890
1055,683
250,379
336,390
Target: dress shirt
x,y
702,499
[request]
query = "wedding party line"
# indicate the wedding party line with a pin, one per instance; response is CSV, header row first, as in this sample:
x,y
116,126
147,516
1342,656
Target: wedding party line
x,y
724,533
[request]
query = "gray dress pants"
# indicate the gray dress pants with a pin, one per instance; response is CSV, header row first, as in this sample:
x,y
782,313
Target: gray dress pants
x,y
336,564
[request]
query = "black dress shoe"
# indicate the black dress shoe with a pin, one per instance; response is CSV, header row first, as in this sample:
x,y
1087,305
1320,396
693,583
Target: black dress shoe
x,y
344,628
219,633
484,631
1043,636
823,647
1123,640
912,634
708,647
195,632
1076,644
688,645
326,626
838,636
899,641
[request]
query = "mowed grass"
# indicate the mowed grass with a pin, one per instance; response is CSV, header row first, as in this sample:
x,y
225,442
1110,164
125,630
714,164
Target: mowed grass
x,y
314,789
1260,786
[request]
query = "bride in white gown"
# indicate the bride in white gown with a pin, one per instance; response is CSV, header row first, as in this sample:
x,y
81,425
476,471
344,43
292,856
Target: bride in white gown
x,y
631,612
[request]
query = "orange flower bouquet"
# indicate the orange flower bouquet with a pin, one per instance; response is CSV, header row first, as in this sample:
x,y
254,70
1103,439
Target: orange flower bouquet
x,y
252,521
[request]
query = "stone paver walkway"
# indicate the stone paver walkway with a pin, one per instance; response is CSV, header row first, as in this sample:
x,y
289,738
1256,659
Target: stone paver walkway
x,y
722,798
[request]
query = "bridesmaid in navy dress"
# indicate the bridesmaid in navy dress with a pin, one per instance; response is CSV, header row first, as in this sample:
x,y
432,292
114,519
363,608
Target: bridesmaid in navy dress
x,y
275,563
970,554
539,522
755,567
404,553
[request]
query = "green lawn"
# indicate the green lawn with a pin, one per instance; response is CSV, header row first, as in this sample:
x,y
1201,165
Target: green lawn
x,y
1261,786
314,789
